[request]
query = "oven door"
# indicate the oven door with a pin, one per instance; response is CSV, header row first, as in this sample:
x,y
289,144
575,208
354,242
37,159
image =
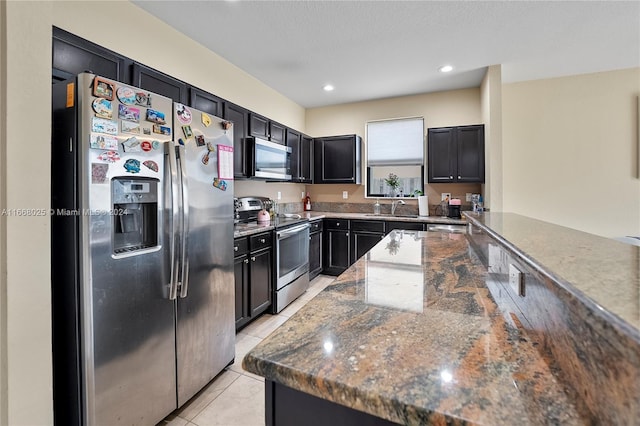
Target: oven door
x,y
292,253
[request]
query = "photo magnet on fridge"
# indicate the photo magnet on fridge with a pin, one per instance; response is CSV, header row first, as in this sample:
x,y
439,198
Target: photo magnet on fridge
x,y
129,127
102,108
155,116
109,156
103,88
128,113
143,99
102,125
183,113
103,142
126,95
200,140
187,131
99,172
161,130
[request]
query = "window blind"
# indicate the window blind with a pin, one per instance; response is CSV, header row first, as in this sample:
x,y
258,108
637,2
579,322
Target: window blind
x,y
395,142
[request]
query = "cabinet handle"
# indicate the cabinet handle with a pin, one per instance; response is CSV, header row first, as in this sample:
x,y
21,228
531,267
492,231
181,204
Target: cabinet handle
x,y
309,238
262,240
347,234
450,177
246,261
337,223
459,177
253,258
235,248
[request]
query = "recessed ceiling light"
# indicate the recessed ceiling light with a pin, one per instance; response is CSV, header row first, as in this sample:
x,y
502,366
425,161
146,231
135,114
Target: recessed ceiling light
x,y
328,87
445,68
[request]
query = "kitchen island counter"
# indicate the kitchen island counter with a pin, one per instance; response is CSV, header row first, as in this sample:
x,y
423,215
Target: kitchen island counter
x,y
411,334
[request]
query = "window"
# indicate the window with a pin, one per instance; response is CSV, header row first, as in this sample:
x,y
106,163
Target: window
x,y
395,147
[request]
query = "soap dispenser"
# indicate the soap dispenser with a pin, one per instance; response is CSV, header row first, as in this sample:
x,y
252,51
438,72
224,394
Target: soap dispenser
x,y
376,207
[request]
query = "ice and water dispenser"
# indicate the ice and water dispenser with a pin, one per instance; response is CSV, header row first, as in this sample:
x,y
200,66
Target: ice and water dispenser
x,y
135,213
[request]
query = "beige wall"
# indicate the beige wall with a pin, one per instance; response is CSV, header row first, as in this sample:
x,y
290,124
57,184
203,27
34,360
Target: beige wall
x,y
570,151
491,94
451,108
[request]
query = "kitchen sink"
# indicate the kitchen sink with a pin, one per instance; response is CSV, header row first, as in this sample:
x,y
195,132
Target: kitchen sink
x,y
393,215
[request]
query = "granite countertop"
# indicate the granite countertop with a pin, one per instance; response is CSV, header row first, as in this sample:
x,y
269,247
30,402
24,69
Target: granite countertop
x,y
602,273
410,333
245,229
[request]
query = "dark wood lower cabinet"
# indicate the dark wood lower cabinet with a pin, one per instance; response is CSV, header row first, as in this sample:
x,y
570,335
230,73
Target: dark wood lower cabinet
x,y
290,407
315,254
362,242
260,274
337,253
241,274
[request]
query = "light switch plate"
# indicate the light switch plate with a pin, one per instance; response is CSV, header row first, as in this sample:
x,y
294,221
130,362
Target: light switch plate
x,y
516,280
279,195
345,194
468,196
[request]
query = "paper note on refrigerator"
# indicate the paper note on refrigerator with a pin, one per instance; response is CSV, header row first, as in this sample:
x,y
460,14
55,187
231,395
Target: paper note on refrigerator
x,y
225,162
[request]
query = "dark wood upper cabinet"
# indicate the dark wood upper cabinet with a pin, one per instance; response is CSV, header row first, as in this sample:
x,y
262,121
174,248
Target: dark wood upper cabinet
x,y
203,101
336,159
306,159
262,127
300,156
72,55
456,154
240,118
156,82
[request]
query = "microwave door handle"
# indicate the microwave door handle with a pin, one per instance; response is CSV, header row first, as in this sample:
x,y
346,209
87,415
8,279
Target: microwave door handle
x,y
185,224
175,214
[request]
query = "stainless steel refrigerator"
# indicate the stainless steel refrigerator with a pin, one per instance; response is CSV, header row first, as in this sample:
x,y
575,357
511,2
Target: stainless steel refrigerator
x,y
142,271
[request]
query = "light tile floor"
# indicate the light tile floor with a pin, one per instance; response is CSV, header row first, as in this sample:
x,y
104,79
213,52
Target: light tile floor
x,y
236,397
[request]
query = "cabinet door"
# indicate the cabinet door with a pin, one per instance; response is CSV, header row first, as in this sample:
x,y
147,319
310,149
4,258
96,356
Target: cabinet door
x,y
156,82
335,159
306,146
277,132
258,126
315,254
470,153
260,283
206,102
293,141
362,242
73,55
239,117
442,154
337,251
241,275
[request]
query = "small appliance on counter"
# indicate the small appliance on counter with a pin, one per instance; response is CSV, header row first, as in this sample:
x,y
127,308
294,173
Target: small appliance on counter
x,y
454,208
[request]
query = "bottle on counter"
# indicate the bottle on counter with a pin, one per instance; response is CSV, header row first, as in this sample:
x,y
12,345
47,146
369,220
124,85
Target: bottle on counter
x,y
307,203
376,207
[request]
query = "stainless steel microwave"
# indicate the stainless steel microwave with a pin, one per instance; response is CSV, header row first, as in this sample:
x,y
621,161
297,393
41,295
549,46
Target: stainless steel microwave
x,y
268,160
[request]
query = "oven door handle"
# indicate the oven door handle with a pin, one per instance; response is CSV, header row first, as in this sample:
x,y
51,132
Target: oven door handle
x,y
285,233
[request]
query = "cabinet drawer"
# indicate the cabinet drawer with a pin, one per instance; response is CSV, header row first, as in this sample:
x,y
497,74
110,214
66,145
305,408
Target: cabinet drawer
x,y
240,246
367,225
260,241
336,223
315,226
397,224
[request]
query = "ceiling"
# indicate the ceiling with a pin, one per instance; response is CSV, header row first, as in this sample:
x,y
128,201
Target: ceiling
x,y
379,49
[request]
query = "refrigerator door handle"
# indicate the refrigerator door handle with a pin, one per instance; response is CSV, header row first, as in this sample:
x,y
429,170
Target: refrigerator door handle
x,y
184,288
175,214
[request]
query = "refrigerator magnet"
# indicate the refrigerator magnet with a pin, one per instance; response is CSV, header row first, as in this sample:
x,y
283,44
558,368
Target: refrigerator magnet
x,y
102,108
109,156
103,88
132,165
146,146
210,147
129,127
146,130
220,184
99,172
183,113
126,95
205,158
155,144
102,125
103,142
187,131
200,140
143,99
132,145
155,116
162,130
151,165
128,113
206,120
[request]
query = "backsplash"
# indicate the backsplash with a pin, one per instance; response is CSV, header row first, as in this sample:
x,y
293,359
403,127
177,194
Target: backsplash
x,y
385,208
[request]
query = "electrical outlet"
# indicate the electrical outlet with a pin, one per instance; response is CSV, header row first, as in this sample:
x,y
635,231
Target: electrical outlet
x,y
302,196
468,196
445,195
279,195
345,194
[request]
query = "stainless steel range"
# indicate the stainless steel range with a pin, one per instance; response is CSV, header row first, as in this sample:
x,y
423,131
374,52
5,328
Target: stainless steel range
x,y
291,249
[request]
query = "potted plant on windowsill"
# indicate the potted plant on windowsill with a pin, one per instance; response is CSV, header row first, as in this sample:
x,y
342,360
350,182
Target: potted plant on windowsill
x,y
393,182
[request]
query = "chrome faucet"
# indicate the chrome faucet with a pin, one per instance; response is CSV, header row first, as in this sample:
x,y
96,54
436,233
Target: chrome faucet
x,y
394,205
